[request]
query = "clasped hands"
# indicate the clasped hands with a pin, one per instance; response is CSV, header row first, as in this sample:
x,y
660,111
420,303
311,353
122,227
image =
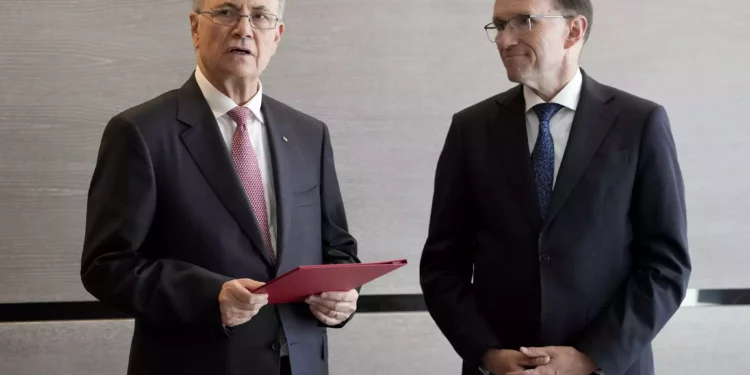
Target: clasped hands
x,y
551,360
238,304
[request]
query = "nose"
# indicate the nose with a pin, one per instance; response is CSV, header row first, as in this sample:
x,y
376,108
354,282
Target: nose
x,y
243,29
505,39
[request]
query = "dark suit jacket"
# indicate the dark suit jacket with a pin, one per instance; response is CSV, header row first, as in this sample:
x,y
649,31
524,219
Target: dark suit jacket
x,y
168,222
603,272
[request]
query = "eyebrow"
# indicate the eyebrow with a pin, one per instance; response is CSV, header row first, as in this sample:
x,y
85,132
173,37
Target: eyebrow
x,y
496,19
227,4
260,9
255,9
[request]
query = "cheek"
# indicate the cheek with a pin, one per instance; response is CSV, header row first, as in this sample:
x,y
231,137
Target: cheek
x,y
266,48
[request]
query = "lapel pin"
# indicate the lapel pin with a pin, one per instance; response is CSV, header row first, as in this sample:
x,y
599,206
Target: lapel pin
x,y
285,140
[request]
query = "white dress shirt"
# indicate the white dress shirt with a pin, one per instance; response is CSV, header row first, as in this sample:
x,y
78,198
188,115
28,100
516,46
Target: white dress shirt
x,y
560,123
220,104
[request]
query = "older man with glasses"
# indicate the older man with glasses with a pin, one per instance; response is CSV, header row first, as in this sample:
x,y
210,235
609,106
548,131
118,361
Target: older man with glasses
x,y
204,193
558,241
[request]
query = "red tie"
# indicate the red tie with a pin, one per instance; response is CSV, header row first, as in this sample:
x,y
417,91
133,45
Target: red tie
x,y
248,170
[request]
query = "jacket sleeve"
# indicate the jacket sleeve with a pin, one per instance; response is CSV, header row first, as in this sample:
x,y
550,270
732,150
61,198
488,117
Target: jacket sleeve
x,y
166,293
659,279
446,266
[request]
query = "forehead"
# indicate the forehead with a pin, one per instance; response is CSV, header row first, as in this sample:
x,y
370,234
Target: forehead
x,y
505,9
270,5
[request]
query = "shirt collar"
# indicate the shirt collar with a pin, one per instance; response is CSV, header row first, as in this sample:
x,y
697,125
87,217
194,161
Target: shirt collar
x,y
220,104
568,97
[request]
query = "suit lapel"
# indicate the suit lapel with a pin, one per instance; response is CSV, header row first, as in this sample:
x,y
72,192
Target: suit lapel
x,y
207,148
592,121
510,134
279,139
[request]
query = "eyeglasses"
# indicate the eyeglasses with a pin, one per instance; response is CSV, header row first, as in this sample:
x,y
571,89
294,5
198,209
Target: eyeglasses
x,y
230,17
518,25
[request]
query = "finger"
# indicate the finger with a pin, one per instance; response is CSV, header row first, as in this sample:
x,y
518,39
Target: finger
x,y
536,352
345,307
325,319
321,306
334,296
239,293
525,372
337,316
350,296
329,303
250,284
321,309
535,361
242,307
259,299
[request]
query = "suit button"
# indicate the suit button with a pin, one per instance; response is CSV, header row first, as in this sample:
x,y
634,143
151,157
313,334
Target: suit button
x,y
544,259
276,346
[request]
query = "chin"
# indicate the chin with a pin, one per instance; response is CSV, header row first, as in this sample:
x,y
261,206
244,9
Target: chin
x,y
242,71
515,75
515,70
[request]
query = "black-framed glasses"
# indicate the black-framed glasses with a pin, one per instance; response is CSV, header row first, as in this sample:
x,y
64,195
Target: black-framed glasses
x,y
518,25
230,17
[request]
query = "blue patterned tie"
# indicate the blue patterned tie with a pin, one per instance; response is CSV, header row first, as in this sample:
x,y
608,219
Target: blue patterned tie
x,y
543,157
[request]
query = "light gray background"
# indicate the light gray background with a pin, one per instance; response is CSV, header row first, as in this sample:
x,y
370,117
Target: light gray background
x,y
386,76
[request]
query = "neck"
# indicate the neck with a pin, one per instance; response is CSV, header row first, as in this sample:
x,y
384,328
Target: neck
x,y
554,81
240,90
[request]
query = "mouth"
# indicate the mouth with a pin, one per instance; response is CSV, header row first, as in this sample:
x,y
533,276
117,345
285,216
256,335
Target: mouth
x,y
239,51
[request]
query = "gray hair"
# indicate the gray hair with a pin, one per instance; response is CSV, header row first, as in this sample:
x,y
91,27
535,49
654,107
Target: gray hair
x,y
197,4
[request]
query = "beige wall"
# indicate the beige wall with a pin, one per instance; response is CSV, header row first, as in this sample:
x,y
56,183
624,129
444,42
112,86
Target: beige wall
x,y
386,76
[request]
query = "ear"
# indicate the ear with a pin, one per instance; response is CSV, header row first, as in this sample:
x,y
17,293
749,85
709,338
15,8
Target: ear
x,y
194,28
577,31
279,33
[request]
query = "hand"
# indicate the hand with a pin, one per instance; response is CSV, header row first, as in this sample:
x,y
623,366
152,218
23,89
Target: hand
x,y
564,360
501,362
238,305
333,308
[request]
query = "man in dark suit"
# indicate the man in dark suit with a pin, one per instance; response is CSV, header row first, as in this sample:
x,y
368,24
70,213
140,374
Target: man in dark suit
x,y
557,242
201,195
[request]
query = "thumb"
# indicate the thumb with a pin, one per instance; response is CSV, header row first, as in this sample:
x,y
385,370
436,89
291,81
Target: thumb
x,y
534,352
534,361
250,284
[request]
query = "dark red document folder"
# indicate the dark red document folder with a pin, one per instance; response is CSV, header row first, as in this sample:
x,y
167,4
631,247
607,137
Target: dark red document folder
x,y
303,281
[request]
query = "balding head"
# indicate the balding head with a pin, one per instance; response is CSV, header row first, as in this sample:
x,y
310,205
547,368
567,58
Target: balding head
x,y
198,5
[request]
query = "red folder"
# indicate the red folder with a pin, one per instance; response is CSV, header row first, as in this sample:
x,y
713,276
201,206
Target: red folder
x,y
303,281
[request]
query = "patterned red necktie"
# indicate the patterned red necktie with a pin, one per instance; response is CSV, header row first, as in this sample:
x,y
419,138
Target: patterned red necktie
x,y
248,170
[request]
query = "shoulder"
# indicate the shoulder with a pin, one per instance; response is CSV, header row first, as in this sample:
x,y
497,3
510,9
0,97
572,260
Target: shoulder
x,y
489,107
291,115
626,102
145,118
160,106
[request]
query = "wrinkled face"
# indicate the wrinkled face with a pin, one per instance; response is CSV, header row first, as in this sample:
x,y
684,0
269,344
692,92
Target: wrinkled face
x,y
230,48
529,44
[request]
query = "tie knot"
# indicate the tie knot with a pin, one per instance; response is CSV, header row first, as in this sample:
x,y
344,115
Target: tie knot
x,y
240,115
545,111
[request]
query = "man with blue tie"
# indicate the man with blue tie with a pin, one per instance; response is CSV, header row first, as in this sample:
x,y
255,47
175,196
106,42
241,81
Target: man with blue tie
x,y
557,242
